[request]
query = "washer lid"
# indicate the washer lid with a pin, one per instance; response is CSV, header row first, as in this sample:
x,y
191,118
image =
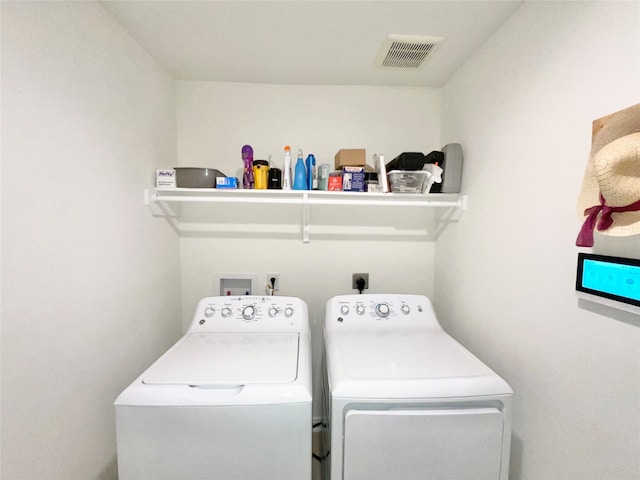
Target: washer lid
x,y
202,359
406,354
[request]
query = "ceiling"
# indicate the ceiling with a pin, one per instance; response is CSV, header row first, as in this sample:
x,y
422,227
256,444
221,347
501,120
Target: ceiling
x,y
326,42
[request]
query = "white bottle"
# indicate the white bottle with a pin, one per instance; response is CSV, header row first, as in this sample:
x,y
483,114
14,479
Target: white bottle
x,y
286,175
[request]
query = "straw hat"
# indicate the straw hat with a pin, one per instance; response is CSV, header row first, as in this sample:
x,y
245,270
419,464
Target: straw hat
x,y
610,196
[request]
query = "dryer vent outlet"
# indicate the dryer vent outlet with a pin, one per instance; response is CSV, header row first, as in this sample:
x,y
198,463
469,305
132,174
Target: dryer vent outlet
x,y
359,276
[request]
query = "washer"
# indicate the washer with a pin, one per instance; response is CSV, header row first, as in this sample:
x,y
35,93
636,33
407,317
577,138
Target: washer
x,y
230,400
404,400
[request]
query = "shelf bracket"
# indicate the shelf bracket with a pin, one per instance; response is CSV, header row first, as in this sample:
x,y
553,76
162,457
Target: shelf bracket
x,y
158,207
462,203
305,218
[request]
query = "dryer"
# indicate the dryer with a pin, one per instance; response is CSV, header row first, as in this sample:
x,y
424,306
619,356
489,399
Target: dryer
x,y
404,400
230,400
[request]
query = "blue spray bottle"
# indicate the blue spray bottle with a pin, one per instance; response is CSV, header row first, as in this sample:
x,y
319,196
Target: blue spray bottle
x,y
300,177
312,173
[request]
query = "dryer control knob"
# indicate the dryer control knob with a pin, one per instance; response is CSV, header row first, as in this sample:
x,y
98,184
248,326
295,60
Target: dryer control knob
x,y
344,309
249,312
405,309
226,312
273,311
382,309
288,312
209,311
360,309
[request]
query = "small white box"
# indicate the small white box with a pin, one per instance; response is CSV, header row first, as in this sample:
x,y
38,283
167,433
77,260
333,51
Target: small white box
x,y
166,178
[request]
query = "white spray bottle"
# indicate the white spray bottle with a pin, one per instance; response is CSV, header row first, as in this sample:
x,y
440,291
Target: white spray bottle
x,y
286,177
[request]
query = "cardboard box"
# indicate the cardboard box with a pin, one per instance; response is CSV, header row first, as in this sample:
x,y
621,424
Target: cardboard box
x,y
323,176
373,188
166,178
353,179
350,157
226,182
334,183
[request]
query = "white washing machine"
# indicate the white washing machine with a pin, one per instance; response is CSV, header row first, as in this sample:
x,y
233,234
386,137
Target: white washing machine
x,y
404,400
230,400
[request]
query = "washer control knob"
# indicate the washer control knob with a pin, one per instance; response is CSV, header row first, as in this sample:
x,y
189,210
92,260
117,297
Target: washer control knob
x,y
405,309
382,309
273,311
248,312
226,312
344,309
360,309
209,311
288,312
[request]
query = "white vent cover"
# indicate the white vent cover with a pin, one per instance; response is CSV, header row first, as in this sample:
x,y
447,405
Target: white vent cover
x,y
406,51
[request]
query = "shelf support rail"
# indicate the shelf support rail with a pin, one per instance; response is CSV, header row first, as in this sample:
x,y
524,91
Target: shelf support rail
x,y
305,218
154,197
305,200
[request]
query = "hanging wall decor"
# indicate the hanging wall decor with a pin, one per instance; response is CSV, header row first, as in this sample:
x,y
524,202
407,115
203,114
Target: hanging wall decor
x,y
609,201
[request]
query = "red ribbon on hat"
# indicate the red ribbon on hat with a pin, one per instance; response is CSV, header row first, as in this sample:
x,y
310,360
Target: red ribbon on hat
x,y
585,237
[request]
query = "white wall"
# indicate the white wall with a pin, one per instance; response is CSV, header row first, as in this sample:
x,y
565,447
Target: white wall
x,y
90,281
522,107
393,245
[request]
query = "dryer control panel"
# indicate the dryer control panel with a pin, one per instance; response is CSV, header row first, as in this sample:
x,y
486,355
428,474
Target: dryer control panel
x,y
370,311
250,313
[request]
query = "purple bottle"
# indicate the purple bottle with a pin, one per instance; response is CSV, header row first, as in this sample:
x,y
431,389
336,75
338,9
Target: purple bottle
x,y
247,160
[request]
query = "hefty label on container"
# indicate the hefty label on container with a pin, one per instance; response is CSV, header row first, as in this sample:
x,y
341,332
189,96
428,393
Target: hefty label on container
x,y
166,178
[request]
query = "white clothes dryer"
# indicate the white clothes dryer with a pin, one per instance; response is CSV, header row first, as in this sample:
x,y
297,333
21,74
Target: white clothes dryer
x,y
230,400
404,400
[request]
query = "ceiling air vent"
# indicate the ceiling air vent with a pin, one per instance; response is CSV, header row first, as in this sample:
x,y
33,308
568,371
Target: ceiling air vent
x,y
406,51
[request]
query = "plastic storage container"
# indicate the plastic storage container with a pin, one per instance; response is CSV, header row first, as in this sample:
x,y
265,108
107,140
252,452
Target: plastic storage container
x,y
404,181
194,177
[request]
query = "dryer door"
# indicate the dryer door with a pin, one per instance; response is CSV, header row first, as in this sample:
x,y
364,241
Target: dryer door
x,y
455,444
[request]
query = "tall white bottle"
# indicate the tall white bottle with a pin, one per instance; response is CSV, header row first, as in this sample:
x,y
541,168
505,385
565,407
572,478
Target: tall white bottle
x,y
286,175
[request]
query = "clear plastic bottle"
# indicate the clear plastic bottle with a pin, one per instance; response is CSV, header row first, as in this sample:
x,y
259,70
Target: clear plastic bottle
x,y
286,176
300,177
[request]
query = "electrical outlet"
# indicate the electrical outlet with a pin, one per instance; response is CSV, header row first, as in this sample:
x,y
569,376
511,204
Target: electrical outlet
x,y
354,280
275,285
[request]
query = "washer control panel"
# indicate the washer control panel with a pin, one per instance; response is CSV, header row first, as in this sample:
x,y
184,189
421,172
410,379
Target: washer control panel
x,y
255,313
369,310
375,308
